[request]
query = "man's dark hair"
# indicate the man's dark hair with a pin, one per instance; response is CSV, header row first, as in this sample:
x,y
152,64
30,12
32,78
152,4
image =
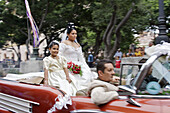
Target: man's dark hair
x,y
101,63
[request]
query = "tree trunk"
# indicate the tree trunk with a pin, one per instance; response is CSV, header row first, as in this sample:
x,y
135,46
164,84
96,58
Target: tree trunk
x,y
115,46
97,43
108,34
43,16
110,51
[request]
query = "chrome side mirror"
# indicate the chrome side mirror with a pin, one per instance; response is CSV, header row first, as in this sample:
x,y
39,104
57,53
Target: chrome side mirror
x,y
133,102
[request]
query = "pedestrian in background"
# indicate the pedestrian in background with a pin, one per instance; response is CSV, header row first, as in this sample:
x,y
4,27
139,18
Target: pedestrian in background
x,y
118,53
90,59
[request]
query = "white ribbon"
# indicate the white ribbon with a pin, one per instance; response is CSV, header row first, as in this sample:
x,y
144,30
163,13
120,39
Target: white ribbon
x,y
159,48
63,101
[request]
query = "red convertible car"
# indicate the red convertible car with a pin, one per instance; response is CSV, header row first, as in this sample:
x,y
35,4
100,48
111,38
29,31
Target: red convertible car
x,y
153,97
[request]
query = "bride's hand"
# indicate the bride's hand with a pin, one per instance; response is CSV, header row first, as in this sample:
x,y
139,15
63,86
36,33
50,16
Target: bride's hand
x,y
68,79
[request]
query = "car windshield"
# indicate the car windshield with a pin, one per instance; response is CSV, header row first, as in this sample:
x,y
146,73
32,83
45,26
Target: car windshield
x,y
157,79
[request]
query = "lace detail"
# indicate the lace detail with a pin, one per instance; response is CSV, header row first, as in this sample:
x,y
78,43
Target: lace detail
x,y
71,53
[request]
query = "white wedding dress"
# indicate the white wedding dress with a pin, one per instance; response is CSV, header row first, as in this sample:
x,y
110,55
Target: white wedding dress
x,y
76,56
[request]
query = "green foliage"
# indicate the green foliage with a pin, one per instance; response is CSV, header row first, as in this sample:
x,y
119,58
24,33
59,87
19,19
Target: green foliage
x,y
12,22
14,71
90,16
163,91
90,38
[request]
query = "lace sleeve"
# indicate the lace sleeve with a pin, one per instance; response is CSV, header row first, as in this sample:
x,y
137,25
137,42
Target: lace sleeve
x,y
61,49
82,59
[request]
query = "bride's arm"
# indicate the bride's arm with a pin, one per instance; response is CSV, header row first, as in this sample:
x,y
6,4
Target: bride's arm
x,y
83,60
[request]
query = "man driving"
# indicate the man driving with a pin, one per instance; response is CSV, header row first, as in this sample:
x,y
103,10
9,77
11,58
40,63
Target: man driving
x,y
104,88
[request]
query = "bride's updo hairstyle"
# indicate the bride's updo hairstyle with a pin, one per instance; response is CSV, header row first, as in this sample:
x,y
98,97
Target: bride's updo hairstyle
x,y
70,27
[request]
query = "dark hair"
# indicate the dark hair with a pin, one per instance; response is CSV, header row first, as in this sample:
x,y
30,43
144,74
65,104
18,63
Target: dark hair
x,y
70,27
101,63
52,44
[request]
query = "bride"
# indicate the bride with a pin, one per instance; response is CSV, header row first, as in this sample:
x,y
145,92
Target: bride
x,y
72,51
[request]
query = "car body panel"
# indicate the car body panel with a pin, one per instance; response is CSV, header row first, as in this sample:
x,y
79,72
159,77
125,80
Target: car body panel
x,y
45,96
124,107
4,110
165,105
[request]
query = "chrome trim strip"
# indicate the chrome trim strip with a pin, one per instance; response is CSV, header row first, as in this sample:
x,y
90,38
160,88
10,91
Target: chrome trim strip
x,y
16,104
87,111
151,96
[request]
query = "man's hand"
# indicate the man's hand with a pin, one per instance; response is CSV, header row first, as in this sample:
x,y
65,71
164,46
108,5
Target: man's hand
x,y
115,80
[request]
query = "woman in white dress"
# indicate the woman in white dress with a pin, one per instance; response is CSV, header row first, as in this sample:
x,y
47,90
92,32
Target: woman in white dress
x,y
56,72
72,51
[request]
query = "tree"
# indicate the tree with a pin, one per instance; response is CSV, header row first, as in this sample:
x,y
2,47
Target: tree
x,y
14,21
123,19
112,16
11,30
153,7
110,51
2,26
97,21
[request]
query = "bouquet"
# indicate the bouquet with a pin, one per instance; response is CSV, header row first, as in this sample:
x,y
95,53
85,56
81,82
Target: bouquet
x,y
75,69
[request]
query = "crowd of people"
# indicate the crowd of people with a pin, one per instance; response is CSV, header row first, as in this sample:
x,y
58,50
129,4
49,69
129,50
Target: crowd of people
x,y
137,52
132,52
